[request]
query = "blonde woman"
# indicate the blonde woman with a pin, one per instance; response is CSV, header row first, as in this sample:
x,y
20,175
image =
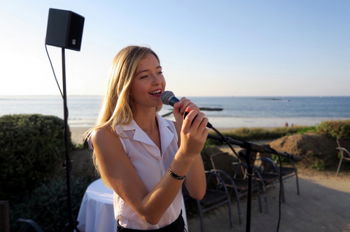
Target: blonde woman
x,y
143,157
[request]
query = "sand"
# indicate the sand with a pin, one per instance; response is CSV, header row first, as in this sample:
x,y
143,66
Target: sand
x,y
77,134
323,205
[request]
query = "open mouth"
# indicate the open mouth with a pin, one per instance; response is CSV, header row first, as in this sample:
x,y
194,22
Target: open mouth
x,y
156,93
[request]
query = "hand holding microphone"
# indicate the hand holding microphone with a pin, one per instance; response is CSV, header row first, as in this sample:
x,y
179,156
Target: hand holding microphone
x,y
193,128
169,98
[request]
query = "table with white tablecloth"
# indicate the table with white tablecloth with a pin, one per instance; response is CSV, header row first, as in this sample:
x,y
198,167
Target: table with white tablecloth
x,y
96,210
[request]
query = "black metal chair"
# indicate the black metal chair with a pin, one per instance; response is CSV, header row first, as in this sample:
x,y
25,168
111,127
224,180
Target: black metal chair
x,y
216,195
270,172
236,178
343,152
28,225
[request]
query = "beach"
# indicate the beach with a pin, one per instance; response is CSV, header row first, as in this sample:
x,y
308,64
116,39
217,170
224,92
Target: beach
x,y
77,134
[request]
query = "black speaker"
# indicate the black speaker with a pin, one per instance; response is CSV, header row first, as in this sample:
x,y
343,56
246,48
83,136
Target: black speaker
x,y
64,29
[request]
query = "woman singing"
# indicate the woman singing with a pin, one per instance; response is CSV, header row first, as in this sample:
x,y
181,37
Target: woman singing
x,y
143,157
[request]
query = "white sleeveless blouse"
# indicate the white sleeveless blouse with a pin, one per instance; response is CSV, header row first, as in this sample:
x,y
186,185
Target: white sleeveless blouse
x,y
151,165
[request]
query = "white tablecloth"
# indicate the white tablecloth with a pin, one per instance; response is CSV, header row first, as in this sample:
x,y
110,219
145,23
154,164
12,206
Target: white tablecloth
x,y
96,210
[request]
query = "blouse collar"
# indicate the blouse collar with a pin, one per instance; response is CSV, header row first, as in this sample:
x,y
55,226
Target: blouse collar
x,y
133,131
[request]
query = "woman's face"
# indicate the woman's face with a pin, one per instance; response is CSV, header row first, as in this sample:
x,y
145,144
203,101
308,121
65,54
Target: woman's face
x,y
148,83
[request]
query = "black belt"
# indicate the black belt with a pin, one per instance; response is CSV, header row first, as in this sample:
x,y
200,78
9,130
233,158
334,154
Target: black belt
x,y
177,226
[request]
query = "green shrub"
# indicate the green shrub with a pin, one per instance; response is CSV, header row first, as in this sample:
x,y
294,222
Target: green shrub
x,y
262,133
306,129
47,204
31,152
319,165
336,129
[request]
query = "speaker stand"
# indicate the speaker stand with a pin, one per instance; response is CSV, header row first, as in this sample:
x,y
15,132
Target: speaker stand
x,y
72,224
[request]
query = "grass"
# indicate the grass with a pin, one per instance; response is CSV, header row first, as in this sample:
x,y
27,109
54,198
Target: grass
x,y
335,129
266,133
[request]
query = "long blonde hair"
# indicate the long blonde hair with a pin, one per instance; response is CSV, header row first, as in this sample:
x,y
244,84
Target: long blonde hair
x,y
116,108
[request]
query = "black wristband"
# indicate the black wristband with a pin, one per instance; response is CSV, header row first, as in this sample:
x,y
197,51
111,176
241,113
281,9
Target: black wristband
x,y
176,176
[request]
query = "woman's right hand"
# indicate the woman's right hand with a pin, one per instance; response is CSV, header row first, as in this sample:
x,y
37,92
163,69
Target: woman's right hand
x,y
193,133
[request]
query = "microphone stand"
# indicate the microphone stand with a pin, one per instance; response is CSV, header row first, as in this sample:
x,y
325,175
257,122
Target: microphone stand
x,y
249,147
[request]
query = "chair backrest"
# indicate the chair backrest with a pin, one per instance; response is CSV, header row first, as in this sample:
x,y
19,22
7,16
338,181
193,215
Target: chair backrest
x,y
227,163
265,163
213,180
344,142
206,153
28,225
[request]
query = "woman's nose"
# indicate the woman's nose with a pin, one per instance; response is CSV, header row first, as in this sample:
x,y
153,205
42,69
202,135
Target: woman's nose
x,y
157,79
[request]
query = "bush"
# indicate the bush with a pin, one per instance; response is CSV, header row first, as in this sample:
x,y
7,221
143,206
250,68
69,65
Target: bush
x,y
31,152
47,204
336,129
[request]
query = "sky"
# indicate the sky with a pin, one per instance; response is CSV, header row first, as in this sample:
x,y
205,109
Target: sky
x,y
206,48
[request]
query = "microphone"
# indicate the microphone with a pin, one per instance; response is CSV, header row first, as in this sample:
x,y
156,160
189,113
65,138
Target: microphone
x,y
168,98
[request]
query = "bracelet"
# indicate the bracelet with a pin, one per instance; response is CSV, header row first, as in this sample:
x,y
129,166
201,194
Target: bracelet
x,y
176,176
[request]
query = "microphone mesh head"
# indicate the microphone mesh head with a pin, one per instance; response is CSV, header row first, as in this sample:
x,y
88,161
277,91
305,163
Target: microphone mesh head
x,y
166,96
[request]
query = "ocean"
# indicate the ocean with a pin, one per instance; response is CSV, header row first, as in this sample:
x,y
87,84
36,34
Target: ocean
x,y
236,111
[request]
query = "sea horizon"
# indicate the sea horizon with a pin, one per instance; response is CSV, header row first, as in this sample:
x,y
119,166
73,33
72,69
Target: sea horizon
x,y
237,111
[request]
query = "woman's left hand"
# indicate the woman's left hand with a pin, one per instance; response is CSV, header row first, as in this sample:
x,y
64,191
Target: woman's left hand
x,y
184,105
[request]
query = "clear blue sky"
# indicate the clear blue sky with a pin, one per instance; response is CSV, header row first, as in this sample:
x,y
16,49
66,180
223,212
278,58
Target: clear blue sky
x,y
207,48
